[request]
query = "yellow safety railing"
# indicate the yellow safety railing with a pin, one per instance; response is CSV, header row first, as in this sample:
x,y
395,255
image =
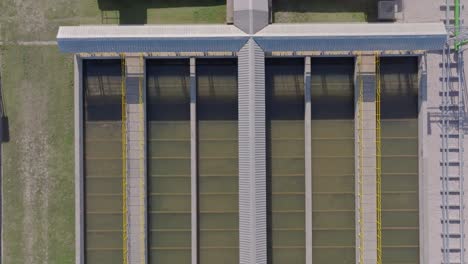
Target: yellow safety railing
x,y
378,158
142,159
361,158
124,162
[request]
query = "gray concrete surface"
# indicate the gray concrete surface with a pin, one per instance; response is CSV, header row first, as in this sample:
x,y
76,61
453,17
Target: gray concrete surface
x,y
422,11
431,159
423,123
79,185
308,159
230,11
136,160
366,156
251,15
431,162
193,160
430,140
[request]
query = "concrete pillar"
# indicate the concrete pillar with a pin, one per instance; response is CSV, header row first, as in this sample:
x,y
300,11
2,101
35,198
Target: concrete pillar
x,y
365,134
308,158
136,160
252,155
424,216
194,159
251,15
79,177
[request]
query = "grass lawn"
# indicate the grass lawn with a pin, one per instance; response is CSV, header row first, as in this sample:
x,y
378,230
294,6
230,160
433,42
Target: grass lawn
x,y
38,200
154,11
29,20
181,15
301,11
37,81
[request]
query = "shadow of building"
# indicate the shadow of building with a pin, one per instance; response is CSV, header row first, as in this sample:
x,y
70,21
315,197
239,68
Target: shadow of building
x,y
135,12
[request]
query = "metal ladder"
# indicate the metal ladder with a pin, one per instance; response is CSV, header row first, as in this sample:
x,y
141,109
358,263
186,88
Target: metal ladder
x,y
378,158
378,144
452,136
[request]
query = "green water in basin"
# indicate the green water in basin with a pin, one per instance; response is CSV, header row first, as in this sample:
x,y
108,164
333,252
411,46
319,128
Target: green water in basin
x,y
332,147
333,160
168,150
102,161
333,181
217,114
285,160
400,188
169,184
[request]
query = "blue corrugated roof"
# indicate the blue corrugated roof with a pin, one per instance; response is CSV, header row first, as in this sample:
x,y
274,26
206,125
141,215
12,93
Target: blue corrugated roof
x,y
276,37
352,43
91,45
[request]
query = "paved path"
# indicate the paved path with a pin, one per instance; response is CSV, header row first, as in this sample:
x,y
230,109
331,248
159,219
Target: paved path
x,y
136,193
30,43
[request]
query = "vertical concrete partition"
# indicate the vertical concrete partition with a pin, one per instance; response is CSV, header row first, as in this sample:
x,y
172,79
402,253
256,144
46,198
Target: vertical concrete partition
x,y
424,198
136,160
366,153
308,158
193,160
252,155
79,184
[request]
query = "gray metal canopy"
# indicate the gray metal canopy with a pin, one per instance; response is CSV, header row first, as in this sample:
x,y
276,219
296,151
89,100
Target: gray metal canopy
x,y
151,38
275,37
352,37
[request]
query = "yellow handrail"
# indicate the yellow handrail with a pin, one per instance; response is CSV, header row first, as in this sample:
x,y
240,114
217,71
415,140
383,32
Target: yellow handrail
x,y
142,160
378,159
124,162
361,158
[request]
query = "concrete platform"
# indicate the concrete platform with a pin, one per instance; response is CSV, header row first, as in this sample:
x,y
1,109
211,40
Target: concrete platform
x,y
136,161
